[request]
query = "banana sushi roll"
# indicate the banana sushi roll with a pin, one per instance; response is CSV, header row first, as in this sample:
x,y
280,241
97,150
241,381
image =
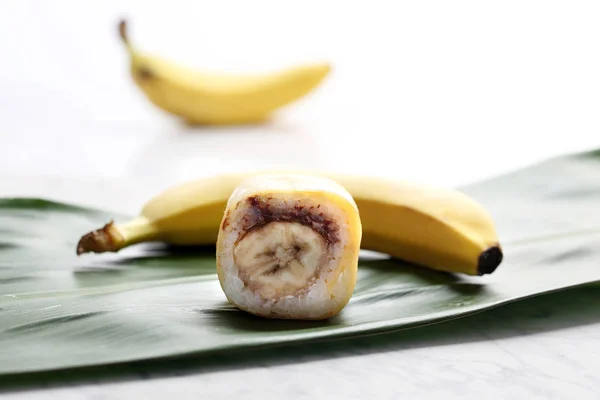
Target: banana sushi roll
x,y
288,246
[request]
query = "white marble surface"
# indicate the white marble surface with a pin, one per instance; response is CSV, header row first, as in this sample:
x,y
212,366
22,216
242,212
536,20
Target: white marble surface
x,y
441,92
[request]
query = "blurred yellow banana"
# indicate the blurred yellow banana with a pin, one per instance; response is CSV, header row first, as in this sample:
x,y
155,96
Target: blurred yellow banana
x,y
438,228
203,98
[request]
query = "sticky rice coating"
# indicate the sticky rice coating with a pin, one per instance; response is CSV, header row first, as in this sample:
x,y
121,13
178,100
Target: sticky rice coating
x,y
326,291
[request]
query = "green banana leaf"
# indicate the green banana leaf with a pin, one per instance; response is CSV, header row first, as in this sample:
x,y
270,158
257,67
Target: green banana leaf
x,y
152,302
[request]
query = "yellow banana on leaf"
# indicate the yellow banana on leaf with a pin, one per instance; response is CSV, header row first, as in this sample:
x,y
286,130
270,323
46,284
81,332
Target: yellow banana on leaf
x,y
435,227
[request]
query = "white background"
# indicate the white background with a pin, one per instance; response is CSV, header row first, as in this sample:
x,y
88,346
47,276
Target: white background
x,y
436,91
444,92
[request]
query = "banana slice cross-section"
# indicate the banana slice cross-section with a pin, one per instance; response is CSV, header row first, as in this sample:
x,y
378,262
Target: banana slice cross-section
x,y
280,258
288,246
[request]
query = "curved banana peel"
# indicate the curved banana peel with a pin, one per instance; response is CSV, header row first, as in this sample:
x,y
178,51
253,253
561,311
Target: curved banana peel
x,y
204,98
437,228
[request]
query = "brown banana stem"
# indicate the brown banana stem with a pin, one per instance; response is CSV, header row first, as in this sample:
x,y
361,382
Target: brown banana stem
x,y
101,240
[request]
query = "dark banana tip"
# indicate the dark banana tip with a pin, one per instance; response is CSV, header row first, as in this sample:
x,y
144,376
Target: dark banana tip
x,y
489,260
123,30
